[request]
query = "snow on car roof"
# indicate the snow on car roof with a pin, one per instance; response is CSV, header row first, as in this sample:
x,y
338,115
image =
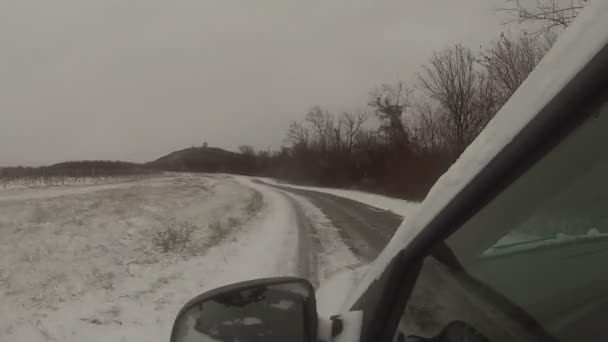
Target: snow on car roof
x,y
573,50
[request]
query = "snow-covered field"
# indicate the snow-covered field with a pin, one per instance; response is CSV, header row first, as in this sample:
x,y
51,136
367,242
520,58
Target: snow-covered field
x,y
96,263
116,261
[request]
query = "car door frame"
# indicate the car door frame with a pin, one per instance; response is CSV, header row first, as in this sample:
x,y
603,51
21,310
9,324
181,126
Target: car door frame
x,y
386,297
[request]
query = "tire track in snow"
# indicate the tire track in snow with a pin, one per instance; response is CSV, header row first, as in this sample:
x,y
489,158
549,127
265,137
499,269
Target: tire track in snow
x,y
320,248
308,244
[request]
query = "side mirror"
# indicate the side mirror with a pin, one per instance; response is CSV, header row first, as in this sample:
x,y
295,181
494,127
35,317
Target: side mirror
x,y
273,309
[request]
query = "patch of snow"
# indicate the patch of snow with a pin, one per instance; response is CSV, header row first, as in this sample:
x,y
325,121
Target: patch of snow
x,y
283,304
560,239
333,294
193,335
515,237
299,290
251,321
572,51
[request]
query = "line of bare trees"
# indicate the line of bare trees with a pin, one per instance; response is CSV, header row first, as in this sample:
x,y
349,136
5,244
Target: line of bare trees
x,y
424,124
69,172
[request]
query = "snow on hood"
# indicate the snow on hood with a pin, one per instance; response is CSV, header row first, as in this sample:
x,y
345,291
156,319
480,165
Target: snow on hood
x,y
573,50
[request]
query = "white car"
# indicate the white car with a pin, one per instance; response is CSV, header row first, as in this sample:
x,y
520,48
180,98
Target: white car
x,y
511,244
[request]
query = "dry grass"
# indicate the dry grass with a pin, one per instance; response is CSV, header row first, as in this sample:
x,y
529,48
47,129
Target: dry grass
x,y
103,279
216,234
255,204
174,236
40,215
177,236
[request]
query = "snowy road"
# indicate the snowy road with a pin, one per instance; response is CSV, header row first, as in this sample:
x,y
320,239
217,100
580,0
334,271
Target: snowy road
x,y
337,231
365,229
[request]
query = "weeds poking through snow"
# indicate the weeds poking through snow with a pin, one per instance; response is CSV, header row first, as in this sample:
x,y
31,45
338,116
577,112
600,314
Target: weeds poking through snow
x,y
174,236
104,279
39,215
255,203
216,234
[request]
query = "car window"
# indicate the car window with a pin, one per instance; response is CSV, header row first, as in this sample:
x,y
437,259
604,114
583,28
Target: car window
x,y
533,263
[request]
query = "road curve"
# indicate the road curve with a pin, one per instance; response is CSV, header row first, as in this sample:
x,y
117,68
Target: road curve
x,y
365,229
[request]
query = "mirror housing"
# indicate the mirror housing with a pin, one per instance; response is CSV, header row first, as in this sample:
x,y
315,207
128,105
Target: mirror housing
x,y
271,309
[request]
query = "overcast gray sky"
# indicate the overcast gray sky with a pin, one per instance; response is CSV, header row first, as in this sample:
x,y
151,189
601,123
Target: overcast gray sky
x,y
135,79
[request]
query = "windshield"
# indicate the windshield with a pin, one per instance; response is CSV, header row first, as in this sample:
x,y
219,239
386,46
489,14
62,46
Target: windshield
x,y
548,237
151,151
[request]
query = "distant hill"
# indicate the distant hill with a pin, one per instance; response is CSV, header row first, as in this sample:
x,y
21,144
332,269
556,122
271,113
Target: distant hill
x,y
194,159
201,159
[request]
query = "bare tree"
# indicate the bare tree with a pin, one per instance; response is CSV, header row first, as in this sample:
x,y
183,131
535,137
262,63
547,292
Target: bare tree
x,y
509,61
429,127
345,130
486,103
297,135
452,81
353,127
389,103
322,125
547,14
337,135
